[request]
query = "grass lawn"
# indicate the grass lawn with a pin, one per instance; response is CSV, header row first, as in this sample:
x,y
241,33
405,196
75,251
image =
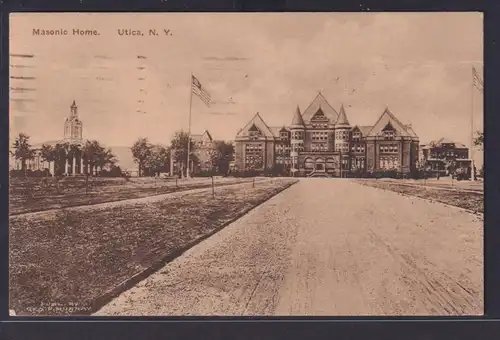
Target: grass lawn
x,y
62,260
470,200
100,190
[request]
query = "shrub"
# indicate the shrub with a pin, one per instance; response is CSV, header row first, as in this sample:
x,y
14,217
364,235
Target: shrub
x,y
115,171
36,173
204,173
16,173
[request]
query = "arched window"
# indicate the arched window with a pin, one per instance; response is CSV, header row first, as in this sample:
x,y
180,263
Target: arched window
x,y
330,163
309,164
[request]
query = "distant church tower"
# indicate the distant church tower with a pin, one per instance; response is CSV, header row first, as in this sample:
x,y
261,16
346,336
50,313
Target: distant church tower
x,y
73,126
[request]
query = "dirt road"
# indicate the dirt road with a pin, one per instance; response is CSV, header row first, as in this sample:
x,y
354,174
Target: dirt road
x,y
325,247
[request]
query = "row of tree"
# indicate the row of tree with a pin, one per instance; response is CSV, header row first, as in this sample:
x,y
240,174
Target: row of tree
x,y
95,156
153,159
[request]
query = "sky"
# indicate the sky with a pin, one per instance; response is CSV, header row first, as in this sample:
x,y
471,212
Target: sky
x,y
419,65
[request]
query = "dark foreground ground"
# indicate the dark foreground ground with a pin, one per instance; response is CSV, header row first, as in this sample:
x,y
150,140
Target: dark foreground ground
x,y
62,260
31,194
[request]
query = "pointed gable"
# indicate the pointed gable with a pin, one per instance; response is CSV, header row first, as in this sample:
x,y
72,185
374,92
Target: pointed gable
x,y
254,128
388,120
364,129
206,136
320,106
256,125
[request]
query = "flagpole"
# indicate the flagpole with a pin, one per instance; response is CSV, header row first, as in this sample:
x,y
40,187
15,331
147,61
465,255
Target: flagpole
x,y
472,127
189,127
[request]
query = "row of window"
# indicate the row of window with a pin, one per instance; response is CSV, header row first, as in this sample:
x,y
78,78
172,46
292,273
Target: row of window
x,y
283,160
319,136
298,135
297,147
344,135
448,154
389,135
319,147
319,125
389,148
356,136
342,147
358,163
358,148
254,160
389,162
253,148
282,147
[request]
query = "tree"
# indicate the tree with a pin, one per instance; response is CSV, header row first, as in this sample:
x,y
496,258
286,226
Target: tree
x,y
214,159
450,165
73,150
225,152
105,157
179,147
92,153
22,150
141,150
60,156
479,139
157,159
48,154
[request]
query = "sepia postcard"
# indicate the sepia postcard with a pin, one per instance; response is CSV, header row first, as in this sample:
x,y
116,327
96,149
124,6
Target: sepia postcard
x,y
217,164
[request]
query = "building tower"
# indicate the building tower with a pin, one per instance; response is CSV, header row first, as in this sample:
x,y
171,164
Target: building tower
x,y
73,126
342,138
297,131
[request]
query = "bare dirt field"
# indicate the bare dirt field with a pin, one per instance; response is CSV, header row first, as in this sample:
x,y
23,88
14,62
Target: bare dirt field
x,y
62,260
30,195
325,247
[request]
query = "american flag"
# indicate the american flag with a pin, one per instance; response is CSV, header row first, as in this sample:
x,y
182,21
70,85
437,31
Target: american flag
x,y
478,82
200,91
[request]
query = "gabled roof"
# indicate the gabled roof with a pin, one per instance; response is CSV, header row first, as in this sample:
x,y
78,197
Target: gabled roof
x,y
277,129
409,128
259,123
387,117
364,129
438,143
297,118
342,119
203,136
316,104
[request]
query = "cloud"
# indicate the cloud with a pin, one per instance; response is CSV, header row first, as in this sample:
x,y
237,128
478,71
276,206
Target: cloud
x,y
225,58
215,113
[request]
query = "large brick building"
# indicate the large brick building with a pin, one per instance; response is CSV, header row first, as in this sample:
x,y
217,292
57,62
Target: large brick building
x,y
203,144
444,155
322,142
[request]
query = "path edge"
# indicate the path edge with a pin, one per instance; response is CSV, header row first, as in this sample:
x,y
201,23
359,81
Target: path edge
x,y
472,212
127,284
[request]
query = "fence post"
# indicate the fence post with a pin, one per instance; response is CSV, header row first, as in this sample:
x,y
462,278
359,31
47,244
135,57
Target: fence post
x,y
253,182
176,184
86,184
213,189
